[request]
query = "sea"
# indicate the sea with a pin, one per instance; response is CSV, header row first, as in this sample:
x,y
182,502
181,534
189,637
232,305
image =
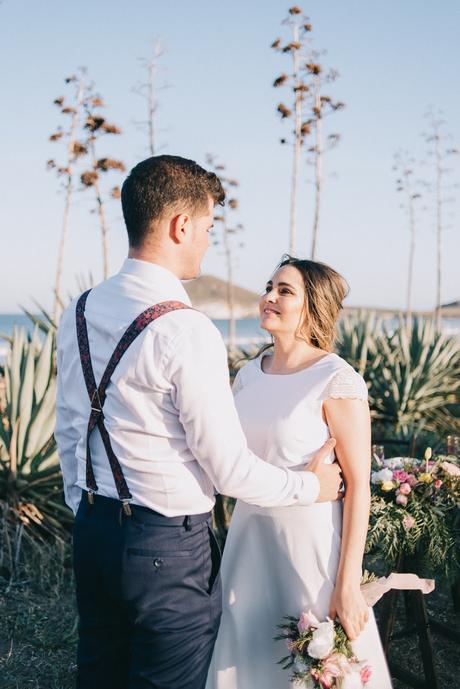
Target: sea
x,y
248,332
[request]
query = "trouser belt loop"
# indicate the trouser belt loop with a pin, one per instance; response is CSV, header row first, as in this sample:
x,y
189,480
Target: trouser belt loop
x,y
187,523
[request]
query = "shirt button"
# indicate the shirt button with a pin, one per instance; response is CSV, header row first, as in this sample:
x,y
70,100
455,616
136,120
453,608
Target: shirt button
x,y
296,496
157,562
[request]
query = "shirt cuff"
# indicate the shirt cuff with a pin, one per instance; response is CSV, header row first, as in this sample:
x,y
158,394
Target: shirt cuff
x,y
310,488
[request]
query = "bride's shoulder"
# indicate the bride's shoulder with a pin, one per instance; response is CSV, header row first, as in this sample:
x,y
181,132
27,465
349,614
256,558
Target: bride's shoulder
x,y
246,373
343,381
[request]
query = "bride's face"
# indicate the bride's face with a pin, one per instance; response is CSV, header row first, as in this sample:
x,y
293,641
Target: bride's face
x,y
282,306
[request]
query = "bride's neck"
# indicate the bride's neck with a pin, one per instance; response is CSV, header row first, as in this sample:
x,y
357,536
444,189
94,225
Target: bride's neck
x,y
290,354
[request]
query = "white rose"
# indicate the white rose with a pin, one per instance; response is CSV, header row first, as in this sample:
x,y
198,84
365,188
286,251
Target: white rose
x,y
395,462
382,475
351,680
322,641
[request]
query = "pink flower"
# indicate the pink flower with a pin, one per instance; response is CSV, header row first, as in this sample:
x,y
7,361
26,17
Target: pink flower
x,y
336,664
401,499
332,667
412,480
307,621
405,488
438,484
366,674
400,475
451,468
408,522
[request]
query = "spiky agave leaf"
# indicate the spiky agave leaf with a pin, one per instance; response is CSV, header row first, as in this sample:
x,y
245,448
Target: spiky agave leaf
x,y
30,477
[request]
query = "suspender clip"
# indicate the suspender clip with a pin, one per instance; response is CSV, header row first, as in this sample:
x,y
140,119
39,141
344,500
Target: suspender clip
x,y
126,508
91,497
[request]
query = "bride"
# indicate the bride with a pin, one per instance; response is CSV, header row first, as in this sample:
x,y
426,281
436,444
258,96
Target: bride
x,y
284,560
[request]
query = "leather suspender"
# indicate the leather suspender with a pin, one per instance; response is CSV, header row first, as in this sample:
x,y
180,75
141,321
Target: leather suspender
x,y
97,393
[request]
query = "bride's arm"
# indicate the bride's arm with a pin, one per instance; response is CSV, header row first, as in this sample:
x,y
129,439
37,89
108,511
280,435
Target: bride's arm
x,y
349,423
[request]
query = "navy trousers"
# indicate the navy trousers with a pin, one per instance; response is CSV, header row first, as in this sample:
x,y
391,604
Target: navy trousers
x,y
148,596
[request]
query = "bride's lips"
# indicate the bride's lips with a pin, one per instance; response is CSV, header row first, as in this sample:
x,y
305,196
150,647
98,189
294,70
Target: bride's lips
x,y
267,310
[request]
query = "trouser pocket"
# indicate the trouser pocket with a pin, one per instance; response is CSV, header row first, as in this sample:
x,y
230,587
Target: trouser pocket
x,y
216,558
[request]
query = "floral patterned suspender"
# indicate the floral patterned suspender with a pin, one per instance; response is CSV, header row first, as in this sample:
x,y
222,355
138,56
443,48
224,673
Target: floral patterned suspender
x,y
97,393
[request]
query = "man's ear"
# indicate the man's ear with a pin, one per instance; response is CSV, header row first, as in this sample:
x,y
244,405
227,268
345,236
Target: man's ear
x,y
178,228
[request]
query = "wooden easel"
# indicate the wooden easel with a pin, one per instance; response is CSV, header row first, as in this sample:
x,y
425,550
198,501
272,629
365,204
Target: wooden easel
x,y
418,623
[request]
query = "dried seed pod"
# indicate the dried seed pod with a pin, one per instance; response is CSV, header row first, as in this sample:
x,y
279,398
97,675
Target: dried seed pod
x,y
89,178
279,81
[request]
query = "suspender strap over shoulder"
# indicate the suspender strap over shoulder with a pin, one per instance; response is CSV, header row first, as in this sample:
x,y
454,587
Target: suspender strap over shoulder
x,y
97,393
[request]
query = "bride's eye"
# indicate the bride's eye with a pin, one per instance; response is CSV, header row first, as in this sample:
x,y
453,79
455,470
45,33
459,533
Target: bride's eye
x,y
268,289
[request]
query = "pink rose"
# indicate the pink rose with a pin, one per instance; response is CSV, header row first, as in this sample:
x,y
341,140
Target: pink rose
x,y
408,522
405,488
336,664
326,679
412,480
401,499
307,620
366,674
438,484
400,475
451,468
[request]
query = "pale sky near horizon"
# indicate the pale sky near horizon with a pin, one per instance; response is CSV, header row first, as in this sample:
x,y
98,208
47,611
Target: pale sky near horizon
x,y
394,59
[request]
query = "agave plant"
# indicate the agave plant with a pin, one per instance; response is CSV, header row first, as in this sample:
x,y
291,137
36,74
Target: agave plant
x,y
417,381
357,340
413,373
30,478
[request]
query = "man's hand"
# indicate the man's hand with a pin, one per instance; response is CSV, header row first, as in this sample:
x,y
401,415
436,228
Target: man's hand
x,y
329,475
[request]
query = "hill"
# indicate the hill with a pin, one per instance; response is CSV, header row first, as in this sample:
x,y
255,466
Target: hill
x,y
209,294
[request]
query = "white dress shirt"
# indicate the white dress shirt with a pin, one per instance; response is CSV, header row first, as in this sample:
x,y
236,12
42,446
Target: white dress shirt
x,y
169,408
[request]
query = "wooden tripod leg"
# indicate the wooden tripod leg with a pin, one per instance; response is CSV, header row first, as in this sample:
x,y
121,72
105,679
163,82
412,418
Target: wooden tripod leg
x,y
388,618
424,639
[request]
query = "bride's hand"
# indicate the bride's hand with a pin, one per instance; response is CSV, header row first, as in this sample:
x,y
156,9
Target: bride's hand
x,y
348,604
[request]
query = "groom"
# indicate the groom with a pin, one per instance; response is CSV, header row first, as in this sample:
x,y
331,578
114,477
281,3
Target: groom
x,y
146,427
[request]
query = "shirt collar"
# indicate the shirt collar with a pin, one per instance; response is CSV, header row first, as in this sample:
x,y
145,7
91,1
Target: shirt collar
x,y
156,276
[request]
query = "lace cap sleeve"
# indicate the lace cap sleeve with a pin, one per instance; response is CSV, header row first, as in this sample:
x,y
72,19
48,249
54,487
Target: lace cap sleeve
x,y
347,384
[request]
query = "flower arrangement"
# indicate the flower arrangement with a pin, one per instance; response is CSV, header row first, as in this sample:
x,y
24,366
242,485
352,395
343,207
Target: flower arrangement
x,y
414,511
320,654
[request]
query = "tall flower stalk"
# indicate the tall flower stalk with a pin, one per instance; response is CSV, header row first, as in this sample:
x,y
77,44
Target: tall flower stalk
x,y
226,240
296,47
439,152
405,185
307,107
148,90
66,172
96,126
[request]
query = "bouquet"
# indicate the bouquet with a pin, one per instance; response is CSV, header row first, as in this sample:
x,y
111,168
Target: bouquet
x,y
320,653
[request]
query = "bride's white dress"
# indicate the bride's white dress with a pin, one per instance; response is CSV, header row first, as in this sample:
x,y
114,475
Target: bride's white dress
x,y
283,560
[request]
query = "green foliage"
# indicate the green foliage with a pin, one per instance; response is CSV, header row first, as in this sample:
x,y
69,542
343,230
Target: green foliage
x,y
430,543
413,373
31,502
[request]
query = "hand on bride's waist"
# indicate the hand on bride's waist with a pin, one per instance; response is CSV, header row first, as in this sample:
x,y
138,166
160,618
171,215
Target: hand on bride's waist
x,y
328,475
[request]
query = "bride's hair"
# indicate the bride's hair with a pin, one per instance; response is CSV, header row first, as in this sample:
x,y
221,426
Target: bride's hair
x,y
325,290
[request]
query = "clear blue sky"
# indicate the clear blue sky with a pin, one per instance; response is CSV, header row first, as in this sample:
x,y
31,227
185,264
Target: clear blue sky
x,y
395,58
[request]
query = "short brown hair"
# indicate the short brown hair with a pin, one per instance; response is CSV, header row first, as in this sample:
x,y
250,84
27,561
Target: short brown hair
x,y
325,290
160,183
